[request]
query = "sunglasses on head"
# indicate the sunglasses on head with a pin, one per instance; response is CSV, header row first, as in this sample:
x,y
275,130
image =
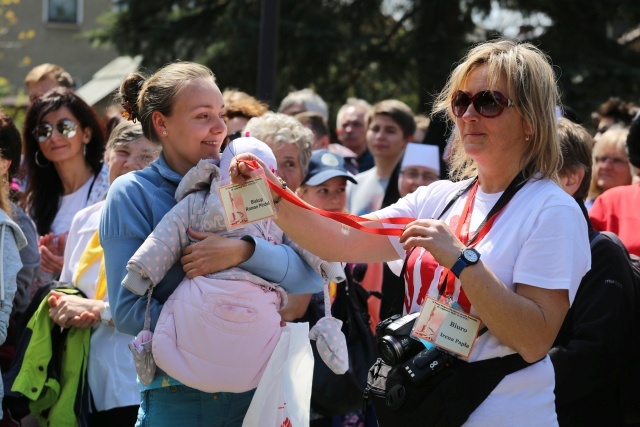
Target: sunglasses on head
x,y
66,127
486,103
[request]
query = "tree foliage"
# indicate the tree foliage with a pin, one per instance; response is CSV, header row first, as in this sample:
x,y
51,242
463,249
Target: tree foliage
x,y
583,42
359,48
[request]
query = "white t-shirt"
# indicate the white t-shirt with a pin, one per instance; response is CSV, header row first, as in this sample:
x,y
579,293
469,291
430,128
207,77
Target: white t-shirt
x,y
111,371
69,206
539,239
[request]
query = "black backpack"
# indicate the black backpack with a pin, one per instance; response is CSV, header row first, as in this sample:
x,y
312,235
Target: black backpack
x,y
630,393
333,394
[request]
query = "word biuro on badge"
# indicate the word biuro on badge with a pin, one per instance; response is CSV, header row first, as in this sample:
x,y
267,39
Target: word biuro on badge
x,y
450,329
246,203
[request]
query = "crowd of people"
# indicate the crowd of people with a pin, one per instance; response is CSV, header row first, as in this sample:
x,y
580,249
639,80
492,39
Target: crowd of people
x,y
114,226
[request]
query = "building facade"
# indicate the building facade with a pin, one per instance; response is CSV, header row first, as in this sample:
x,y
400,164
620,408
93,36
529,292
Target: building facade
x,y
33,32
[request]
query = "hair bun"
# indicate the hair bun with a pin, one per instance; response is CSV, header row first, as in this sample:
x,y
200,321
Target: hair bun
x,y
129,91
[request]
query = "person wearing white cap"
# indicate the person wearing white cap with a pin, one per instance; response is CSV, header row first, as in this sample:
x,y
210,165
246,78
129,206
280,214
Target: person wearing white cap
x,y
420,166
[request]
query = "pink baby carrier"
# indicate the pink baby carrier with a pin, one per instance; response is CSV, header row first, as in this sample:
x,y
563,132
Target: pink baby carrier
x,y
242,325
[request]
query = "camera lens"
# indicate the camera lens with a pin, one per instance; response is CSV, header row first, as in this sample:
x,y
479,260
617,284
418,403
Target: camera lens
x,y
390,349
394,350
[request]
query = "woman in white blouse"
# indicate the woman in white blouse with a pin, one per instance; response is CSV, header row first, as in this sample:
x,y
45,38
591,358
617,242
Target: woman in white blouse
x,y
111,371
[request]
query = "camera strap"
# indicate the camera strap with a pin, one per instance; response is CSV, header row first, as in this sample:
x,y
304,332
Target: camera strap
x,y
514,186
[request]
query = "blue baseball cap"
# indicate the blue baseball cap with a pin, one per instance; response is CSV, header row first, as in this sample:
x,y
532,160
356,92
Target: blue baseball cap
x,y
325,165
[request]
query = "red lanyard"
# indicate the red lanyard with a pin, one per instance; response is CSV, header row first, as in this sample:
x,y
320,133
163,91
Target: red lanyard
x,y
446,284
462,230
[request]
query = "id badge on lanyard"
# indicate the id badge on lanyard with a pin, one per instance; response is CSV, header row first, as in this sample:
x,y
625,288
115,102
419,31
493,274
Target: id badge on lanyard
x,y
448,328
243,204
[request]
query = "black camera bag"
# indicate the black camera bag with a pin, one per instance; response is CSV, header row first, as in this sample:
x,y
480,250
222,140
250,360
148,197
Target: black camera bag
x,y
447,399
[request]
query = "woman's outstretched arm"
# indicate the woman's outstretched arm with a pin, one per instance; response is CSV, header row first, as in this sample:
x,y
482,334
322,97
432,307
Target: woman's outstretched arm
x,y
325,237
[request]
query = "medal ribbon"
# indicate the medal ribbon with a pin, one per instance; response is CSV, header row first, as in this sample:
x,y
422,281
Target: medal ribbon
x,y
353,221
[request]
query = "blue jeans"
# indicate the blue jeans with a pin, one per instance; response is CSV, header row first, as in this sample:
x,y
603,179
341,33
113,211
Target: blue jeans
x,y
185,406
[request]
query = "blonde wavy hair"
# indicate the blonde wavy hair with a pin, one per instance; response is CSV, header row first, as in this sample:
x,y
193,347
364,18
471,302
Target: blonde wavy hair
x,y
614,138
531,85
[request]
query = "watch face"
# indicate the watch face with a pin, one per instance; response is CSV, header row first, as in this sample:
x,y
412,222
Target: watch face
x,y
471,256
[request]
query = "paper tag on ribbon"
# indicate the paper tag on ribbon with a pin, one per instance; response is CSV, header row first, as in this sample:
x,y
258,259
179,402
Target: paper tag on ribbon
x,y
247,203
450,329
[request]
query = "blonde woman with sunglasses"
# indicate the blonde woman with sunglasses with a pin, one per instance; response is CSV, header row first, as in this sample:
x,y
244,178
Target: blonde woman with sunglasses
x,y
503,244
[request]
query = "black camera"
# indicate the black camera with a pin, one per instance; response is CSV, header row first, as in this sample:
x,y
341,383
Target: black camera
x,y
427,364
395,344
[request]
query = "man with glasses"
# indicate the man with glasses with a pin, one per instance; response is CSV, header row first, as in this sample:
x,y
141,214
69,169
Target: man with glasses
x,y
420,166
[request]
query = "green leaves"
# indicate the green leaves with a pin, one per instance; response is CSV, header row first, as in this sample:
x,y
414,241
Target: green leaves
x,y
359,48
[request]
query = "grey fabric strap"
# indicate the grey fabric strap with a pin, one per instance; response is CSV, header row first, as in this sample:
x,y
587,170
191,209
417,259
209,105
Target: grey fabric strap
x,y
147,314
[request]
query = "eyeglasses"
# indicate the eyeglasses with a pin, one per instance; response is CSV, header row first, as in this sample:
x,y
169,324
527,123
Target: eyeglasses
x,y
615,161
486,103
414,174
66,127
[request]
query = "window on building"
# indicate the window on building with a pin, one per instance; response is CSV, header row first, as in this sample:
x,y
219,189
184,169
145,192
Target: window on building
x,y
63,11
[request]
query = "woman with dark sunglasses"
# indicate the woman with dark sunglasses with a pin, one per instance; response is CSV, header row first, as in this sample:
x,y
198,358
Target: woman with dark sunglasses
x,y
503,244
64,144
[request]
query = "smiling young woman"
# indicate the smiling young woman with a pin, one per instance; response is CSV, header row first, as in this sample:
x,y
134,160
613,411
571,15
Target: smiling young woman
x,y
180,108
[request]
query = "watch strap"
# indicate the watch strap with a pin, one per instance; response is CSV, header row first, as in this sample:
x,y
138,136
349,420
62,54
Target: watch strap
x,y
459,265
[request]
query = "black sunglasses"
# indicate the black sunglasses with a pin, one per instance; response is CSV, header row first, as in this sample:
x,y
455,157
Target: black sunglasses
x,y
66,127
486,103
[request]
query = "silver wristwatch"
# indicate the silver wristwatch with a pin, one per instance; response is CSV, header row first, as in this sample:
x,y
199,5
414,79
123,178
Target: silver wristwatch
x,y
105,314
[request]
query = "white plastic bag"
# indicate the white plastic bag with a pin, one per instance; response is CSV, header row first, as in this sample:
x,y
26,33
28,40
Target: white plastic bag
x,y
283,396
